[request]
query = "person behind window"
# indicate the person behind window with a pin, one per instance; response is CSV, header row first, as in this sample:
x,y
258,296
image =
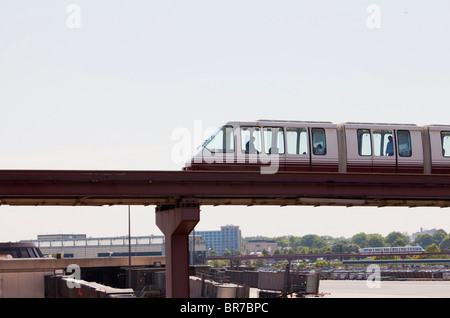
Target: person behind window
x,y
390,147
250,146
319,150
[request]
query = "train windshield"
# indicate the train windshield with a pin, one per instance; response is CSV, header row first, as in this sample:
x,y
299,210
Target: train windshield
x,y
222,141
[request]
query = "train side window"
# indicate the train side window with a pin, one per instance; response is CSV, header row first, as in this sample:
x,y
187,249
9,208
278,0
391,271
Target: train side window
x,y
364,142
222,141
445,137
319,141
404,143
251,140
273,140
296,141
382,143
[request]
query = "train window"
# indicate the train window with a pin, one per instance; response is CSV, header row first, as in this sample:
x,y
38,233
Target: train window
x,y
222,141
364,142
319,141
383,144
296,141
445,136
24,252
404,143
273,140
251,140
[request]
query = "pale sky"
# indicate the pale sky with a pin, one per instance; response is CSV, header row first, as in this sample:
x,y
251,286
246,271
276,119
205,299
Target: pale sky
x,y
104,85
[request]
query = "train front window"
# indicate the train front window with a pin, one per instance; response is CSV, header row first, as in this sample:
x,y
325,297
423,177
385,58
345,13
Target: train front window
x,y
445,137
273,140
404,143
251,140
296,141
222,141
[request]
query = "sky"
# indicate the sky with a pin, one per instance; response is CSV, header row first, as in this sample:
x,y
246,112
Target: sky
x,y
104,85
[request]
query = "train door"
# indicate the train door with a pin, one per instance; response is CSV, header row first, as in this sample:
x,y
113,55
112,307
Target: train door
x,y
273,153
359,148
250,147
409,151
297,149
324,149
384,159
440,149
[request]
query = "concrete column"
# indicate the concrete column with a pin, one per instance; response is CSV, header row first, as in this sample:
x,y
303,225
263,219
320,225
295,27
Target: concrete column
x,y
176,222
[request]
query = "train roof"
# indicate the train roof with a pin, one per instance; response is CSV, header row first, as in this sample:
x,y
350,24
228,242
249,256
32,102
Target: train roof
x,y
438,126
265,122
378,124
295,121
331,124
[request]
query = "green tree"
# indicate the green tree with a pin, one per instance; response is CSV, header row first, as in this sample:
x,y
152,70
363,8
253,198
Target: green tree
x,y
352,248
212,253
424,240
321,264
260,262
375,240
438,236
399,242
396,239
338,247
445,244
282,241
289,251
430,249
313,241
226,252
302,250
294,241
360,239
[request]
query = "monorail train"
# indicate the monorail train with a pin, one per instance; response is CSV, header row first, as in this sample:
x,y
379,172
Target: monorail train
x,y
393,250
326,147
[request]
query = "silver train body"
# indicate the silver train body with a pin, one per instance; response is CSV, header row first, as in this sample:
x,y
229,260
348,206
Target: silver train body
x,y
392,250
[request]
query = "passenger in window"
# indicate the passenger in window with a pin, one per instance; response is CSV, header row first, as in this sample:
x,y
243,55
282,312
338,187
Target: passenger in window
x,y
250,146
390,147
319,150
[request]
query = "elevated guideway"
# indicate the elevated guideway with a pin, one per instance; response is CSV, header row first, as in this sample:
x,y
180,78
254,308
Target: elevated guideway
x,y
63,187
178,196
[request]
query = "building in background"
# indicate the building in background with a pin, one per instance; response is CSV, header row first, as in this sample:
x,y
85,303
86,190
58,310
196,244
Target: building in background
x,y
80,246
228,238
422,231
258,246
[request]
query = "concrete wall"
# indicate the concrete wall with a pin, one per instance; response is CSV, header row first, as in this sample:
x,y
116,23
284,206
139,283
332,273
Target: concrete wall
x,y
24,278
22,284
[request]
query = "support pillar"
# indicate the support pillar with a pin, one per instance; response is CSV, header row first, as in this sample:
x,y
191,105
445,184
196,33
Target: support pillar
x,y
176,222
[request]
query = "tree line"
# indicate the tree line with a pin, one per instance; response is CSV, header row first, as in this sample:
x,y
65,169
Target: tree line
x,y
313,243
